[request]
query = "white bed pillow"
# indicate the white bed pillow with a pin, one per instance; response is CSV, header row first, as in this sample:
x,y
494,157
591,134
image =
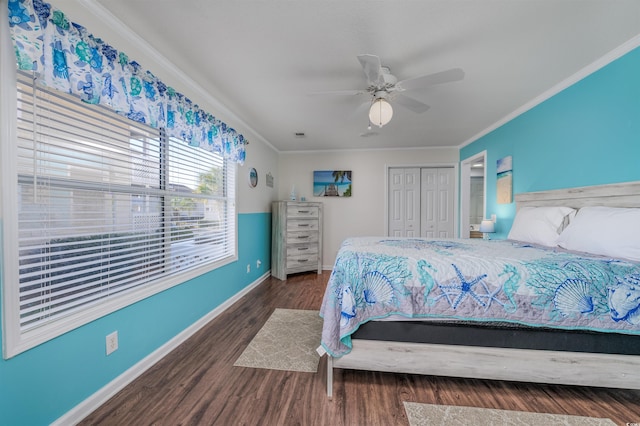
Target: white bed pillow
x,y
608,231
540,225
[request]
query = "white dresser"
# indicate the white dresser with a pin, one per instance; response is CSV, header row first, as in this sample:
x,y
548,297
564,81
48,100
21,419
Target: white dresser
x,y
296,238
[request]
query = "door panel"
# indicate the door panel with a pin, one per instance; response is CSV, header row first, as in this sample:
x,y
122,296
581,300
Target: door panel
x,y
445,225
421,202
404,204
412,199
429,202
396,201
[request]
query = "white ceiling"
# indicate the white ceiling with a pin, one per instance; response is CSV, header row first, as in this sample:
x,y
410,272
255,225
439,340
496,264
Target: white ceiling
x,y
262,59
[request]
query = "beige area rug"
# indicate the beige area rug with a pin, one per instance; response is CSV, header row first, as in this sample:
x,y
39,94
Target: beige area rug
x,y
434,415
287,341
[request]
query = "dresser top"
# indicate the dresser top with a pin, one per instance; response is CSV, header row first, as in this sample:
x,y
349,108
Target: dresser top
x,y
302,203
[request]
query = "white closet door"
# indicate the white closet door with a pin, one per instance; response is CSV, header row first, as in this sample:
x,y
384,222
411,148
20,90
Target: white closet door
x,y
436,200
429,202
404,202
421,202
445,213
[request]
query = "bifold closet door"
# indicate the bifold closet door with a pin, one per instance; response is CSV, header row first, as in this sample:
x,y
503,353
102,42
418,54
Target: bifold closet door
x,y
421,202
436,202
404,202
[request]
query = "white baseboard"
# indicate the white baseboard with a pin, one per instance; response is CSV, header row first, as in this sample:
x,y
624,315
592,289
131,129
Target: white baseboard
x,y
89,405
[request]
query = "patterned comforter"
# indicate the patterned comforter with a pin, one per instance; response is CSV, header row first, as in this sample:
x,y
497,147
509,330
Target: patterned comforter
x,y
476,280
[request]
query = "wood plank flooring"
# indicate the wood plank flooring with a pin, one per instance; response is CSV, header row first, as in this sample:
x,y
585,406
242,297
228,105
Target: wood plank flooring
x,y
197,383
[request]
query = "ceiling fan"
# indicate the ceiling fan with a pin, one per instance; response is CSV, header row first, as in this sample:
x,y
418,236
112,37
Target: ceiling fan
x,y
384,87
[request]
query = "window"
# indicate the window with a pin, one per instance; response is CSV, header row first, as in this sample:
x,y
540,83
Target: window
x,y
109,211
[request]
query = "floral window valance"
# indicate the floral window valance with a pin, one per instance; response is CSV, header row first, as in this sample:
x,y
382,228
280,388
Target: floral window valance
x,y
66,57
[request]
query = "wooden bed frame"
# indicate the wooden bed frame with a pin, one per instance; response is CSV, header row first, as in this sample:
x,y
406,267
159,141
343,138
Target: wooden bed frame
x,y
524,365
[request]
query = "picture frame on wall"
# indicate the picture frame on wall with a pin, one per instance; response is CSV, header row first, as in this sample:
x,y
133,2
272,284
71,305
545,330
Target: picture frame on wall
x,y
504,170
332,183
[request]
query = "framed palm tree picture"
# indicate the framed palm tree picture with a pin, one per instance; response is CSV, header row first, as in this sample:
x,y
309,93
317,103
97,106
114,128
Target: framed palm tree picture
x,y
332,183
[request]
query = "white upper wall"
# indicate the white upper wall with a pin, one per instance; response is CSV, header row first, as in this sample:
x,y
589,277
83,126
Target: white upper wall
x,y
265,160
362,214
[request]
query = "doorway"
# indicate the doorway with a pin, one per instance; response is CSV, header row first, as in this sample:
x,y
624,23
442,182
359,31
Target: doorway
x,y
473,189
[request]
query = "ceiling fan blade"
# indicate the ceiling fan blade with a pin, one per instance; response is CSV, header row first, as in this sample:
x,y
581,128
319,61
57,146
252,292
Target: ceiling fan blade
x,y
338,93
447,76
411,104
372,68
368,133
362,110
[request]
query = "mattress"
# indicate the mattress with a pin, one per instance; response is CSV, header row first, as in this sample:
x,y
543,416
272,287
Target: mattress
x,y
499,335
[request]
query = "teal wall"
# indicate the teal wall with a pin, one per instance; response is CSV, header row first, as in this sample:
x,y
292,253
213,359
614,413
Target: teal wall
x,y
42,384
588,134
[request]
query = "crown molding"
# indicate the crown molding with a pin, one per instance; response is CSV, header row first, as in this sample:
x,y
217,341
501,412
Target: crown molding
x,y
341,150
616,53
119,27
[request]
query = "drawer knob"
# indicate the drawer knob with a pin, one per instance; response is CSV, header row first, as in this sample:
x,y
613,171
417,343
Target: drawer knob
x,y
303,248
302,225
300,237
303,260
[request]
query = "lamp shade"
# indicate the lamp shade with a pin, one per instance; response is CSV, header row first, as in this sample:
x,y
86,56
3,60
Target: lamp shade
x,y
487,226
380,112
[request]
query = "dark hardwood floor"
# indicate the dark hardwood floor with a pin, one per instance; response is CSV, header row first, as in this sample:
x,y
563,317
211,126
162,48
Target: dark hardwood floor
x,y
197,383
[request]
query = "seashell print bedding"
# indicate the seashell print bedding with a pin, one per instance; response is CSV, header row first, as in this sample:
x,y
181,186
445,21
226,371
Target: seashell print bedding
x,y
476,280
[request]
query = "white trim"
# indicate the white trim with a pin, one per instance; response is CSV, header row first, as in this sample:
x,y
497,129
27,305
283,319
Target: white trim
x,y
570,81
120,28
89,405
406,148
8,201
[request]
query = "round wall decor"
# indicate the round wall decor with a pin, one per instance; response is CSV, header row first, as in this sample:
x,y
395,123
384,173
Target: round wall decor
x,y
253,177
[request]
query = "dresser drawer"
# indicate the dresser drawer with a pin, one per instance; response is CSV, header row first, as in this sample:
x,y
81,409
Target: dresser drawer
x,y
302,225
299,211
302,250
302,237
302,261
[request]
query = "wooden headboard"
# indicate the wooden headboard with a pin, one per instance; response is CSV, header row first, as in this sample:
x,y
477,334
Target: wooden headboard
x,y
625,194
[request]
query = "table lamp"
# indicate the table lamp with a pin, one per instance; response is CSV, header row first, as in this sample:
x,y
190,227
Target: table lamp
x,y
487,227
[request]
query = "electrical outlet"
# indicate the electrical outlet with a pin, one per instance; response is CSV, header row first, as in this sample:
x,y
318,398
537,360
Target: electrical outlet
x,y
248,268
258,263
112,342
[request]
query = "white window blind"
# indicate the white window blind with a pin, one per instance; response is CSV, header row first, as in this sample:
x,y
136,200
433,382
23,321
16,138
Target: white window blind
x,y
108,206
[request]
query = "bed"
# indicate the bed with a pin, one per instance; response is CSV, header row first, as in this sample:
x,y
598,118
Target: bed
x,y
530,309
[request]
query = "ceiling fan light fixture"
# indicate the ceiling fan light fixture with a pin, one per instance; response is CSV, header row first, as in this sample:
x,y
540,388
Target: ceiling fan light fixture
x,y
380,112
